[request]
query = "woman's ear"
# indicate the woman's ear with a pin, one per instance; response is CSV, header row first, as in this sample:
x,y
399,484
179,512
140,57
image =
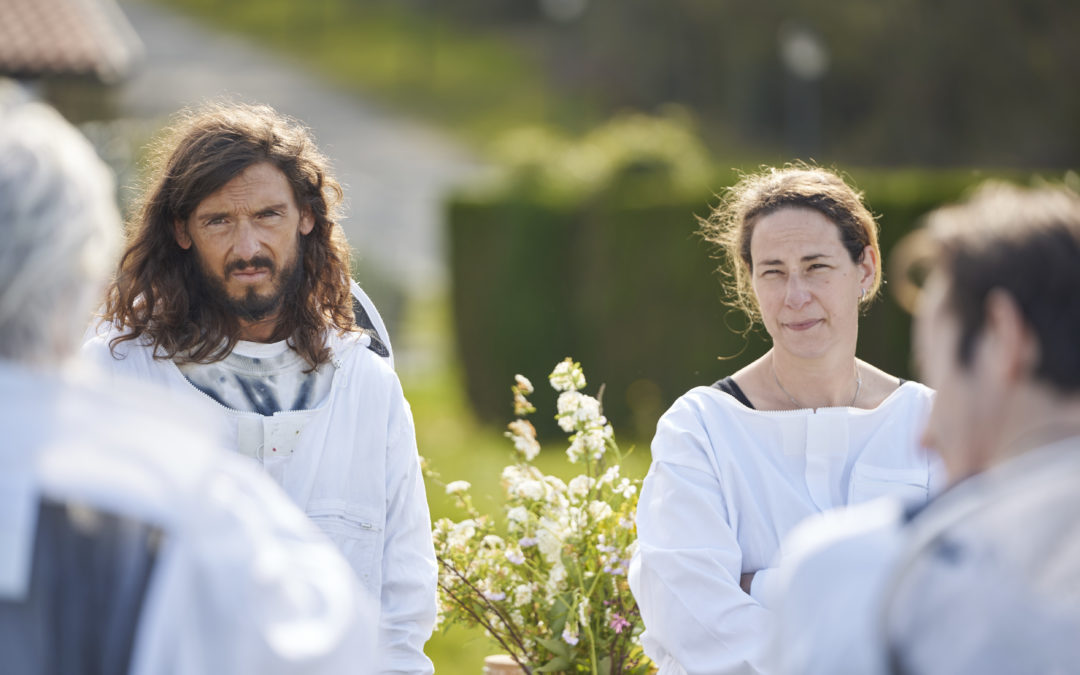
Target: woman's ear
x,y
181,235
867,267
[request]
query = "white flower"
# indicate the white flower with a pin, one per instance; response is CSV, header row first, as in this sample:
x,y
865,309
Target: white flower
x,y
611,475
556,484
492,541
522,595
555,583
600,510
523,384
495,596
516,474
530,489
591,442
567,376
457,486
461,533
583,610
523,433
569,637
550,535
442,526
518,514
578,411
515,556
626,488
580,485
526,542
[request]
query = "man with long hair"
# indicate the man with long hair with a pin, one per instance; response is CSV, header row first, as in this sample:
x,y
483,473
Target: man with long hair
x,y
128,542
234,291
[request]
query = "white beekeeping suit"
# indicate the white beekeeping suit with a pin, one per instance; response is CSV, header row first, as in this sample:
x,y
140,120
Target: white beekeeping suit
x,y
129,543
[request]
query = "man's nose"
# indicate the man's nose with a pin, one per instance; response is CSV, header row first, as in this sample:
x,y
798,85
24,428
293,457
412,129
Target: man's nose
x,y
246,244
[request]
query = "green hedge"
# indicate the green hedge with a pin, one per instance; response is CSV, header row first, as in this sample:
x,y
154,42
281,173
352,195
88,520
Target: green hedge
x,y
618,278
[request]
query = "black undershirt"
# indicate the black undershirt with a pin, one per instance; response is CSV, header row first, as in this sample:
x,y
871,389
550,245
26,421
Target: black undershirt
x,y
728,386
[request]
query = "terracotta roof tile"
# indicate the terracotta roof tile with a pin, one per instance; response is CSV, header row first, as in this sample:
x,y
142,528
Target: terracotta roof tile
x,y
66,37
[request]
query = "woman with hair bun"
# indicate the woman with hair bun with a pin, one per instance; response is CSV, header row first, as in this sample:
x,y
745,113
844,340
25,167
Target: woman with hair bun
x,y
805,428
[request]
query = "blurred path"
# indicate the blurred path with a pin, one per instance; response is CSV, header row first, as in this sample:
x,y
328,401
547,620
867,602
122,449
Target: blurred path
x,y
395,172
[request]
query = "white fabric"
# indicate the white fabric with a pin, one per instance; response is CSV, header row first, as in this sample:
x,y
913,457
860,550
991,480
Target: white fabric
x,y
243,583
835,574
272,380
726,484
988,581
985,580
263,378
355,471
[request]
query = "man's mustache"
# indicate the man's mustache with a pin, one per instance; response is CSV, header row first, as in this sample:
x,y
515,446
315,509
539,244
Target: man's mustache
x,y
253,263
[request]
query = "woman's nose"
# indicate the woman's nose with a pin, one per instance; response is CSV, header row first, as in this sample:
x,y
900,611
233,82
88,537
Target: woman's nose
x,y
797,292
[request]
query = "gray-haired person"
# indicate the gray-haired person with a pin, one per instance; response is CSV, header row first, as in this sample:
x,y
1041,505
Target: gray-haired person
x,y
128,543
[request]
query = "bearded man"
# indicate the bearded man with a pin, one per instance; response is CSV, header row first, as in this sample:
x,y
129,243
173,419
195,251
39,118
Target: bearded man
x,y
234,291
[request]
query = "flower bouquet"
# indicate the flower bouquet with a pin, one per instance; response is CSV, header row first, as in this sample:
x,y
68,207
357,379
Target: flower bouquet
x,y
548,580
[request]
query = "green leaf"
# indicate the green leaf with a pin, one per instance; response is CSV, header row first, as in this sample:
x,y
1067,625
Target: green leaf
x,y
604,667
555,665
555,646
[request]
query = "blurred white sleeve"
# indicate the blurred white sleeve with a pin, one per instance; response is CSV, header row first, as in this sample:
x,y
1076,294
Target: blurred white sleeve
x,y
686,573
245,583
829,590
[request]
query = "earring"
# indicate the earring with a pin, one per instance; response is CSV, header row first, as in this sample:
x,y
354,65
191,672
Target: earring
x,y
862,295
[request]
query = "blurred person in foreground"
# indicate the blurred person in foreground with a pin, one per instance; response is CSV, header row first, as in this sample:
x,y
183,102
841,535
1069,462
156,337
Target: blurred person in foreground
x,y
986,578
234,293
805,428
128,543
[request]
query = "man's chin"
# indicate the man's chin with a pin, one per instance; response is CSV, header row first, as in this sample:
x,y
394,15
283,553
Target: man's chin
x,y
251,307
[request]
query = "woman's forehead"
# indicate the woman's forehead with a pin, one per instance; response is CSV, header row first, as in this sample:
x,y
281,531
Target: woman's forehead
x,y
794,233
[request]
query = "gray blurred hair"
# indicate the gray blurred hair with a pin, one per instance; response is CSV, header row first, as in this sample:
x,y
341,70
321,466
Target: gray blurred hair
x,y
59,227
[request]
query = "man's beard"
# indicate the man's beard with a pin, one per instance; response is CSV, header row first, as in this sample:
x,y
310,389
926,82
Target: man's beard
x,y
252,306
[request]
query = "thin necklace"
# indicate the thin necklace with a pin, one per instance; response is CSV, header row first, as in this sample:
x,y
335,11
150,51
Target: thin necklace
x,y
858,386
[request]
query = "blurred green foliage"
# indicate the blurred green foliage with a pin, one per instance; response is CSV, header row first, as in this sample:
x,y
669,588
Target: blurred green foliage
x,y
471,81
608,267
893,82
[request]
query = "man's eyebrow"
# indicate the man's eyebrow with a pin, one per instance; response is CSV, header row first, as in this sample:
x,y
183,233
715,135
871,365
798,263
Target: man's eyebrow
x,y
204,217
273,207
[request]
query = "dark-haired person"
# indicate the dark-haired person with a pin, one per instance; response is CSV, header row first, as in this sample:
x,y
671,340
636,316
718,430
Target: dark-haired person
x,y
129,543
805,428
986,578
234,292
